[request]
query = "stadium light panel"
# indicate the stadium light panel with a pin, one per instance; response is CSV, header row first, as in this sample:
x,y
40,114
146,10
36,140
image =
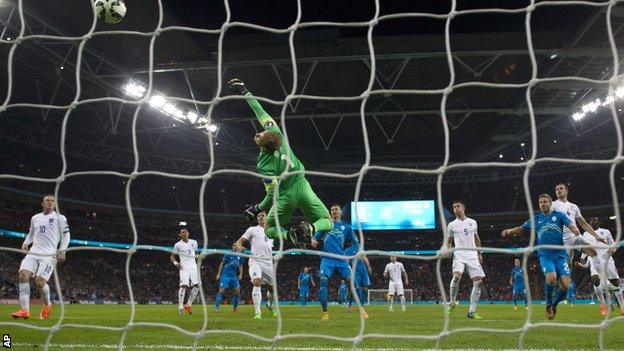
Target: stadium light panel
x,y
161,103
597,104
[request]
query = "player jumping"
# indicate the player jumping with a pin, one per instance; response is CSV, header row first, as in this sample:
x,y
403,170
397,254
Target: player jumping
x,y
44,235
395,272
184,251
294,191
463,233
260,265
554,262
229,274
573,213
303,284
517,283
333,242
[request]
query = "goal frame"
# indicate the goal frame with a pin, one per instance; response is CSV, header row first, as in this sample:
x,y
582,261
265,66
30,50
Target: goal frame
x,y
385,291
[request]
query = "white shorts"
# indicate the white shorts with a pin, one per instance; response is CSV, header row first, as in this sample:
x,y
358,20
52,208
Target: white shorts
x,y
262,270
395,288
570,240
189,274
611,272
472,264
39,266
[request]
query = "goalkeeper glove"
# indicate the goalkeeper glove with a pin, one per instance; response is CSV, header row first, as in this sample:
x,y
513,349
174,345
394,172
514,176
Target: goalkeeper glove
x,y
251,212
238,86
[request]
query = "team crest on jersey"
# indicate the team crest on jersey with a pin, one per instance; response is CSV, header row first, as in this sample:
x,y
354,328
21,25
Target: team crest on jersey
x,y
51,220
554,218
342,227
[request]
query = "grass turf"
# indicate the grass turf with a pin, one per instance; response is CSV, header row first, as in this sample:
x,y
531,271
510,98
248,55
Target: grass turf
x,y
386,330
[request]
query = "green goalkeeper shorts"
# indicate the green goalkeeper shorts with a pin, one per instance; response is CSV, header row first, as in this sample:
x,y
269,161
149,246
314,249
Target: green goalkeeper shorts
x,y
299,196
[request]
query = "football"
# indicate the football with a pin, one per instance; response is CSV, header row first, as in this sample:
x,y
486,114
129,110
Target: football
x,y
111,11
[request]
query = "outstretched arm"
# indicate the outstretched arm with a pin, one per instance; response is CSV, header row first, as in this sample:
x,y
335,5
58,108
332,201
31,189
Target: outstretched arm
x,y
267,122
588,228
512,231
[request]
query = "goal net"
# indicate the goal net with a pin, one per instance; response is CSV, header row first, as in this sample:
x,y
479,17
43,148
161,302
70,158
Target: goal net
x,y
545,87
380,296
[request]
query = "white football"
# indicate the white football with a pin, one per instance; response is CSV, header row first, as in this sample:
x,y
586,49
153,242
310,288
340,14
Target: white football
x,y
111,11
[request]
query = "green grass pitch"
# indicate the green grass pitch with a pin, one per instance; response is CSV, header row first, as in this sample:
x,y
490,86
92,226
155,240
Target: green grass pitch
x,y
386,330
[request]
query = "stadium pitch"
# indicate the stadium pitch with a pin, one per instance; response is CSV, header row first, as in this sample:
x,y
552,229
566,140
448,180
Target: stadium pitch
x,y
500,329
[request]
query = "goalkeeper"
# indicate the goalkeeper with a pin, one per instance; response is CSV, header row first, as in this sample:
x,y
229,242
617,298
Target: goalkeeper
x,y
294,191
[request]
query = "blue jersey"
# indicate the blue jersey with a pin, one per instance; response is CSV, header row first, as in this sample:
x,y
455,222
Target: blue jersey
x,y
360,267
231,265
342,290
304,280
517,277
549,230
334,240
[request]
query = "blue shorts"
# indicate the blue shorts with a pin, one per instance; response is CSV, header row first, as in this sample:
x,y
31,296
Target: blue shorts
x,y
331,266
304,293
343,296
362,279
556,264
518,290
229,282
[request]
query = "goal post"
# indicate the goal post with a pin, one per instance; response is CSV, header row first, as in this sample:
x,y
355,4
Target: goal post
x,y
377,296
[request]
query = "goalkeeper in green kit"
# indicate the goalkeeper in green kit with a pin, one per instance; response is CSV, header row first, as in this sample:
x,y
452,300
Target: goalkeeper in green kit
x,y
294,191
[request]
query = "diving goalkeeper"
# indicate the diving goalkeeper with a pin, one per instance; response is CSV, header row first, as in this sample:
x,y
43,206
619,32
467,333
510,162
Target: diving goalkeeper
x,y
294,191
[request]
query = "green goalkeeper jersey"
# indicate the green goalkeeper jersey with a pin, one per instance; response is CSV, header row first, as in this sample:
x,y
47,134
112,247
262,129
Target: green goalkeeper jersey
x,y
276,163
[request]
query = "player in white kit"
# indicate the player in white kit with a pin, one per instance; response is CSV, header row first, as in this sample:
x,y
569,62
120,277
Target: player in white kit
x,y
395,271
605,256
573,213
183,258
260,265
47,230
463,233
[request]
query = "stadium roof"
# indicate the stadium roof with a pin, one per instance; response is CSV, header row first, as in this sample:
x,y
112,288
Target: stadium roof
x,y
404,129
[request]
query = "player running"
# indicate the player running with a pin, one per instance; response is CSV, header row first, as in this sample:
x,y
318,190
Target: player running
x,y
554,262
47,230
605,256
362,273
303,284
342,293
463,233
184,252
260,265
276,157
333,242
517,283
229,274
395,271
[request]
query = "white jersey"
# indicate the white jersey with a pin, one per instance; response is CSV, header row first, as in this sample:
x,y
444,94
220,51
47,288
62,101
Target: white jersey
x,y
570,210
600,247
45,232
463,233
186,252
261,245
394,270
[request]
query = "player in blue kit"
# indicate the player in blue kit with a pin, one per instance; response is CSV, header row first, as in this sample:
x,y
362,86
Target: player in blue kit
x,y
303,284
554,262
229,274
342,293
333,242
571,293
517,282
362,275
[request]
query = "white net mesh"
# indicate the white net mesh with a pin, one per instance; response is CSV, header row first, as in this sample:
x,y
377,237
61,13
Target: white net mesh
x,y
439,172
